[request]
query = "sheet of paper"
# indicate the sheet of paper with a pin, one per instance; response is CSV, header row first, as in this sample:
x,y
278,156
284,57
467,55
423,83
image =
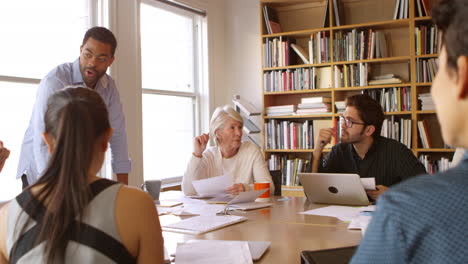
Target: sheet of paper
x,y
368,183
249,206
193,209
247,197
202,224
355,224
257,248
212,186
369,208
213,252
344,213
364,221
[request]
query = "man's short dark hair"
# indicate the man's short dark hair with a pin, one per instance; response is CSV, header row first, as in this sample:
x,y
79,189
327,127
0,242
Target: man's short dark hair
x,y
451,17
370,111
103,35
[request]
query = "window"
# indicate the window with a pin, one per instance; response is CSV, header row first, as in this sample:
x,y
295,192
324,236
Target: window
x,y
37,36
171,55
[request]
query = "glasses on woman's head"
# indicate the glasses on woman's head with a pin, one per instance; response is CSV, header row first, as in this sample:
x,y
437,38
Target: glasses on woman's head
x,y
348,122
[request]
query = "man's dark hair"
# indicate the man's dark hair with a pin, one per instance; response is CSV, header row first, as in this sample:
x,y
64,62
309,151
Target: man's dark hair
x,y
370,111
103,35
451,17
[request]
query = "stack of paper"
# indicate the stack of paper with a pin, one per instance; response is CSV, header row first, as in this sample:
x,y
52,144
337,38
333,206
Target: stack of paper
x,y
202,224
214,186
207,252
256,249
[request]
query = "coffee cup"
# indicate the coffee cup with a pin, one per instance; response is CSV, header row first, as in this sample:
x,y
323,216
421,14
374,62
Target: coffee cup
x,y
153,187
265,197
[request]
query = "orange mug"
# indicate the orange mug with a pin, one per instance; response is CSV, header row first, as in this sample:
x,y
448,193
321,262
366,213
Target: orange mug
x,y
261,186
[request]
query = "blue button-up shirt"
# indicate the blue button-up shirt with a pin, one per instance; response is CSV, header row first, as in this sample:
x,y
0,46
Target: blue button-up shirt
x,y
421,220
34,154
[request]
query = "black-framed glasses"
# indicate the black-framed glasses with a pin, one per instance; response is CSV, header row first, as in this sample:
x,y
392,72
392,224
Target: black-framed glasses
x,y
348,122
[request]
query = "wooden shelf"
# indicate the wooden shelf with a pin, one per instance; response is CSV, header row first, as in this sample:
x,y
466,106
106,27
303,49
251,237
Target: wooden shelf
x,y
378,25
423,84
379,60
372,87
297,66
299,33
319,90
435,150
398,113
426,18
298,116
423,112
295,150
427,56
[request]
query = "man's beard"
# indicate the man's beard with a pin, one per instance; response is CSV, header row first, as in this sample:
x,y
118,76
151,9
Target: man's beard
x,y
353,140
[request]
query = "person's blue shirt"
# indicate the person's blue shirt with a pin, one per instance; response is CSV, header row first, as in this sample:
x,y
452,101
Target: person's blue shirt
x,y
34,154
421,220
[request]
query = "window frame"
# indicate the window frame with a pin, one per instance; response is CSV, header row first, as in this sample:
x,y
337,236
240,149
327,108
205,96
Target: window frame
x,y
199,89
98,15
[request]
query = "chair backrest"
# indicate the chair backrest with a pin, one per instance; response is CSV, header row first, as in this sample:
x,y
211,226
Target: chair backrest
x,y
276,176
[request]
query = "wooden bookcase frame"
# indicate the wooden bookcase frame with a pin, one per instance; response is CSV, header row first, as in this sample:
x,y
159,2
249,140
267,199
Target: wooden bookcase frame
x,y
301,18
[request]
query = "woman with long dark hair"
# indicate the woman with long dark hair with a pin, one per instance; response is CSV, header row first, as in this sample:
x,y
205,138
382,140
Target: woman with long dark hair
x,y
70,215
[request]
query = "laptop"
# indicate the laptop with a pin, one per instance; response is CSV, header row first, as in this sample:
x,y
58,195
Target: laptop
x,y
334,188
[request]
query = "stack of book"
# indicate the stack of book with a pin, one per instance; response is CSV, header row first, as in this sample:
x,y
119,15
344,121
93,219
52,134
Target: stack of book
x,y
401,9
427,39
394,99
276,52
280,110
434,166
385,79
397,130
426,69
281,134
271,20
290,80
319,47
314,105
340,106
424,134
426,101
351,75
359,45
423,8
290,167
297,79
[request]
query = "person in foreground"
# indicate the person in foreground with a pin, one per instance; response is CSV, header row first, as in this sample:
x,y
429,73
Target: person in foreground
x,y
70,215
4,154
96,55
363,151
243,161
423,220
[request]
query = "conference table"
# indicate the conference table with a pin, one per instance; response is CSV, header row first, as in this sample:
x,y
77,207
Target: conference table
x,y
288,231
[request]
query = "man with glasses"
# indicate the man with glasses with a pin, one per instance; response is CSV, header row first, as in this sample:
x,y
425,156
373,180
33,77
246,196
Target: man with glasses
x,y
96,55
362,150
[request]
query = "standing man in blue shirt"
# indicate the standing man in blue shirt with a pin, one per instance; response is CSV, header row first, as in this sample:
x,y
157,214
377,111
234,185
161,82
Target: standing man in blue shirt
x,y
4,154
96,55
424,219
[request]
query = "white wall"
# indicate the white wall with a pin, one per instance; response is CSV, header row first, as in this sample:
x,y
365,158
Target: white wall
x,y
242,53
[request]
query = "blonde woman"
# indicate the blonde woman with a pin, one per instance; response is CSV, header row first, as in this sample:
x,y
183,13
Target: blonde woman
x,y
243,161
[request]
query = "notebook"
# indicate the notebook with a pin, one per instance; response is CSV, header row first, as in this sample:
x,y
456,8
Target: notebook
x,y
202,224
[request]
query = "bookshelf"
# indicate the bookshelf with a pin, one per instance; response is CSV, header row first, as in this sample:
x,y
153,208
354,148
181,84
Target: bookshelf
x,y
301,19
